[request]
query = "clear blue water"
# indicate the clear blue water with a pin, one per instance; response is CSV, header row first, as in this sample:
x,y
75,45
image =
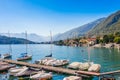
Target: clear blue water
x,y
108,58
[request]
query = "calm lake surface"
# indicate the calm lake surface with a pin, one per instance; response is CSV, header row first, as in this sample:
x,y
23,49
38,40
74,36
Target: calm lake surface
x,y
108,58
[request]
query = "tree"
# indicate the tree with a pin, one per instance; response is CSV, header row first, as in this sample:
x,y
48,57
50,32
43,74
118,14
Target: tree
x,y
97,40
60,42
117,40
117,34
105,39
111,37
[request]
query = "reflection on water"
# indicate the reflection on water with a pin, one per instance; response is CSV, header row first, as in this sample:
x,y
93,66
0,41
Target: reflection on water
x,y
108,58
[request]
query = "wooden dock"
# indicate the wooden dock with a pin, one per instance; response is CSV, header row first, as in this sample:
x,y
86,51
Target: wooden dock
x,y
49,68
54,69
111,72
60,69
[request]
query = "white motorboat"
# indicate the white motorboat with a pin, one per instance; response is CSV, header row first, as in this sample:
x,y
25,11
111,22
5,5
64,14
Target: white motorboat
x,y
72,78
41,75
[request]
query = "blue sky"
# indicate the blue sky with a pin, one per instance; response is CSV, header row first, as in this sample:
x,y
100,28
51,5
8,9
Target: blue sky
x,y
41,16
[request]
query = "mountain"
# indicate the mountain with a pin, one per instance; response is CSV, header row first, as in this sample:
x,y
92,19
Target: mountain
x,y
31,37
110,25
13,40
80,31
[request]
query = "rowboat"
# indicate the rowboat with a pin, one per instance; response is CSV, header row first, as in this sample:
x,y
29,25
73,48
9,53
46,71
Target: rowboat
x,y
41,76
29,72
74,65
72,78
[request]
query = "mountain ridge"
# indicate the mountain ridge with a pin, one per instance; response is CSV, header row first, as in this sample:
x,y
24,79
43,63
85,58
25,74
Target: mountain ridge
x,y
79,31
32,36
110,25
14,40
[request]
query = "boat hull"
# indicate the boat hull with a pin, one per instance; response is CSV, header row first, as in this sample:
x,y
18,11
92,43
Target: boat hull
x,y
7,56
25,58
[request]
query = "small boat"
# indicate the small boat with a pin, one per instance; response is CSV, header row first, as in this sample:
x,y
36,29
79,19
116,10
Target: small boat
x,y
24,56
94,68
84,66
21,72
50,55
72,78
7,55
46,76
74,65
41,76
3,63
60,63
15,70
28,72
6,67
37,75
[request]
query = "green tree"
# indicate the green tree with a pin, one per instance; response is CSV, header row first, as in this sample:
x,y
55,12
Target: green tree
x,y
97,40
100,41
117,40
105,39
60,42
111,37
117,34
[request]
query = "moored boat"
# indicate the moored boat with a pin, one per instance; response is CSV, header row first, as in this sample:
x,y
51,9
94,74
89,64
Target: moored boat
x,y
84,66
72,78
15,70
3,63
7,55
21,72
4,67
61,63
42,76
74,65
27,71
94,68
24,56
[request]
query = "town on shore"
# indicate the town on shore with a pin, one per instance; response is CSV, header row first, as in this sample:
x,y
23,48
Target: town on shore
x,y
108,41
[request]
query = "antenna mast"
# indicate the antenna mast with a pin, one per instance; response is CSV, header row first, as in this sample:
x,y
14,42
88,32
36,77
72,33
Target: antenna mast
x,y
51,40
26,41
10,47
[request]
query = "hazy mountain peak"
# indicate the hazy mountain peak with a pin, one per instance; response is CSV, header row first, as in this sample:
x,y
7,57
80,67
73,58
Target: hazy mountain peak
x,y
32,36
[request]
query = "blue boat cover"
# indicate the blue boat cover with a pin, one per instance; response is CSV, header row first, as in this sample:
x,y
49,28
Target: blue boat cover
x,y
23,55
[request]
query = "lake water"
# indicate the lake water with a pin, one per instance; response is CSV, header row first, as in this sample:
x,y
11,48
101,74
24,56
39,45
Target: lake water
x,y
108,58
